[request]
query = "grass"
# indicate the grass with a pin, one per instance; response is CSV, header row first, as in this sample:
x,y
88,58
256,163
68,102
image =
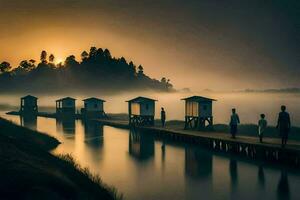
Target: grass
x,y
29,171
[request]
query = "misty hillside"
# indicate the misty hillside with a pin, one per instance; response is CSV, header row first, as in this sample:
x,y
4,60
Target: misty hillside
x,y
97,71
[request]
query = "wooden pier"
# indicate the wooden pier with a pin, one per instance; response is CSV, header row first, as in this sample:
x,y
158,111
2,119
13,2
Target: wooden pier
x,y
250,147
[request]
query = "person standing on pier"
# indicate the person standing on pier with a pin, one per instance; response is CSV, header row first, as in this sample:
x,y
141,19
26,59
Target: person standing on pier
x,y
262,125
234,121
163,117
284,125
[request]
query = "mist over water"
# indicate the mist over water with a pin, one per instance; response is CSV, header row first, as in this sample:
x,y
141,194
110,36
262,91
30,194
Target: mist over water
x,y
249,105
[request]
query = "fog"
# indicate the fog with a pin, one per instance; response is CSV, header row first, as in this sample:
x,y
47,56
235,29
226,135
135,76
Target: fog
x,y
249,105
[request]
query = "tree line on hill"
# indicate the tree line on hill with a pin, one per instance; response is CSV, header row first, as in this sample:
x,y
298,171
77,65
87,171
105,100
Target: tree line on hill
x,y
96,71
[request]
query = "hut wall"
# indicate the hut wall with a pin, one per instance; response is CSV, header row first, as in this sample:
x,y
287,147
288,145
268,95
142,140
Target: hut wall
x,y
68,104
135,108
191,108
147,109
205,109
94,106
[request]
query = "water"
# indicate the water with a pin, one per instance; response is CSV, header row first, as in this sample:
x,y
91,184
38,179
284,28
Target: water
x,y
140,168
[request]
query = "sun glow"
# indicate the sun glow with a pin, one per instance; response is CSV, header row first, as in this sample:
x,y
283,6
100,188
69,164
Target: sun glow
x,y
59,60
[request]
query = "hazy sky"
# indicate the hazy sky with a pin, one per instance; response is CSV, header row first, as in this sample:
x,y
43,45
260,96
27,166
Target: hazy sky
x,y
216,44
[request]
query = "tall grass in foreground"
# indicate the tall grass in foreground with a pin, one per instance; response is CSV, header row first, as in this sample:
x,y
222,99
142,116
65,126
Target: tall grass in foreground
x,y
93,177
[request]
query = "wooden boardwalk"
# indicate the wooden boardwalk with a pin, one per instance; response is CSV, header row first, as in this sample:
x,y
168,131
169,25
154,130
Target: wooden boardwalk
x,y
270,149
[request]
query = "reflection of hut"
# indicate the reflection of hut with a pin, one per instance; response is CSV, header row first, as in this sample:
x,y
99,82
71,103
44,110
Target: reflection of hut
x,y
141,145
141,111
29,105
198,111
66,125
66,107
93,131
93,108
29,121
198,163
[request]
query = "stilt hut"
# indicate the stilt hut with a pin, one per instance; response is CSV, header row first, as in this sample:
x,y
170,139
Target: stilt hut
x,y
66,107
29,105
198,112
93,108
141,111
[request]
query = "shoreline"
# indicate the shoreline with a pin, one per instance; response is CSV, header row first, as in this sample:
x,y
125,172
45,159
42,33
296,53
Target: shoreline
x,y
25,158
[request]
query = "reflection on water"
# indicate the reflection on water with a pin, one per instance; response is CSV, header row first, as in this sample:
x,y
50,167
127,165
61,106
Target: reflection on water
x,y
29,121
66,125
198,164
144,167
261,177
141,145
93,132
283,189
233,171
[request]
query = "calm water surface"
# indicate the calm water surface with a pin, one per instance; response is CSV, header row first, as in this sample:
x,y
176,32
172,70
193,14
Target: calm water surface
x,y
142,167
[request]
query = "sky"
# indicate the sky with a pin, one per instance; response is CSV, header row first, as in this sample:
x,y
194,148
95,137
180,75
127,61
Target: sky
x,y
198,44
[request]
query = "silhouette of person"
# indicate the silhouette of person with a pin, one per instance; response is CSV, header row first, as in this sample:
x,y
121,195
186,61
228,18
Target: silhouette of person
x,y
284,125
262,125
163,117
234,121
283,189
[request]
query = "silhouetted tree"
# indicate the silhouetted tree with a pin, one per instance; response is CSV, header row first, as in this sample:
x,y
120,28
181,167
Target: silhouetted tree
x,y
84,55
71,62
141,70
44,57
32,61
93,52
107,54
163,80
51,58
97,71
5,67
27,65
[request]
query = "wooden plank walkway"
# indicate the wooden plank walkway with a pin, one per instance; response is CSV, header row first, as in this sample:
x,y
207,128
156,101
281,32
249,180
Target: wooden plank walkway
x,y
250,146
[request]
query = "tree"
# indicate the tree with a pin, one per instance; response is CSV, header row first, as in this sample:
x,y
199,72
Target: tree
x,y
5,67
32,61
44,56
71,61
51,58
93,51
107,53
141,69
84,55
27,65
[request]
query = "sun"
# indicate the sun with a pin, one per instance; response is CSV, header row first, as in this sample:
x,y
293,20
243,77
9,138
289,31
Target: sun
x,y
59,60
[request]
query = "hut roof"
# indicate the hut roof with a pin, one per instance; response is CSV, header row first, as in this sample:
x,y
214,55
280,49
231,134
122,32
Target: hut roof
x,y
66,98
140,99
198,99
29,97
93,99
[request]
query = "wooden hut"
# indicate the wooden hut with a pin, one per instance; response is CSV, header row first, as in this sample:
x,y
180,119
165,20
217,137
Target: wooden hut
x,y
141,111
93,108
198,112
66,107
29,105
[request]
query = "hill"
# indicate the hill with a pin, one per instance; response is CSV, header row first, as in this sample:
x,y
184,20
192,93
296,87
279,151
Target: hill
x,y
97,71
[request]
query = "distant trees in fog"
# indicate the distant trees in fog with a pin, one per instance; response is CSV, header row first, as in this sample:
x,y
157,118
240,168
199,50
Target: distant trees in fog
x,y
96,71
